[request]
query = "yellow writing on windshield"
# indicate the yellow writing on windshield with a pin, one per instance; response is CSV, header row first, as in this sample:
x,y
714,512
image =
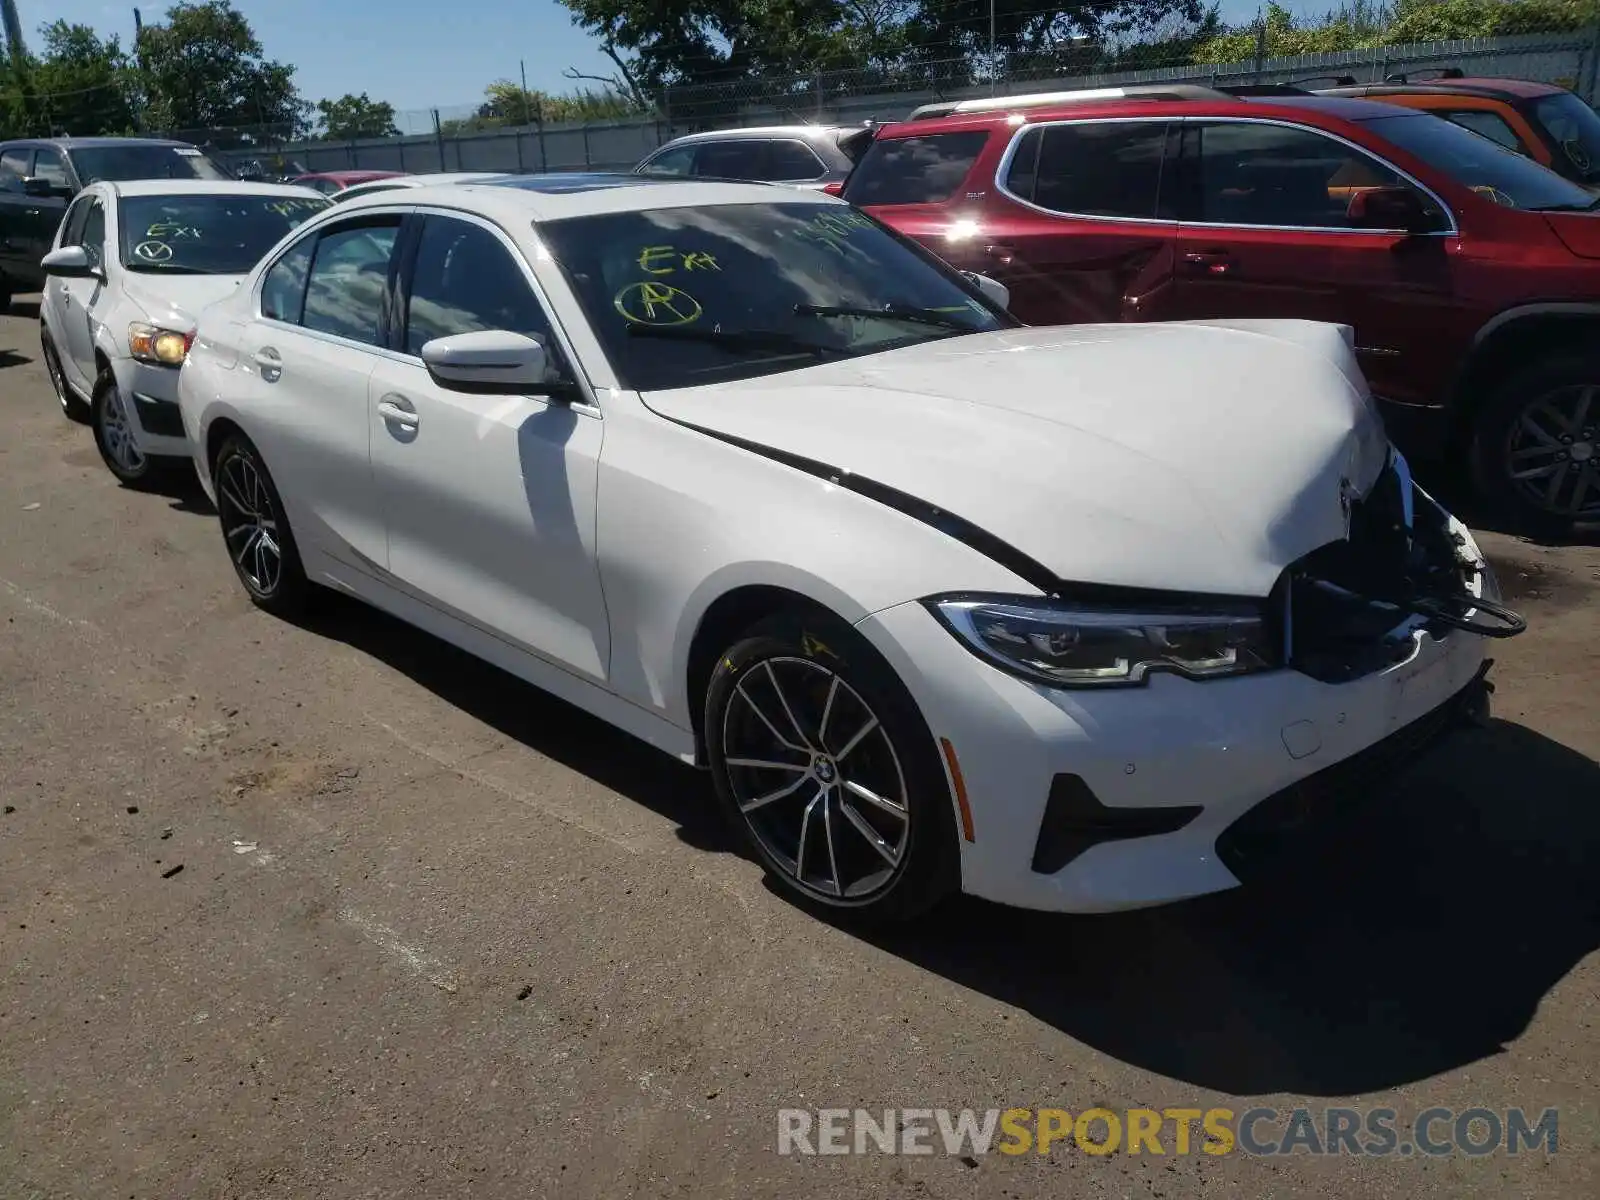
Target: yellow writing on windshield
x,y
651,303
665,260
175,230
288,208
834,229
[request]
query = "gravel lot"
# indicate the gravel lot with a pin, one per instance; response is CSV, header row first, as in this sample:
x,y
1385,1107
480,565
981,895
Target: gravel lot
x,y
432,933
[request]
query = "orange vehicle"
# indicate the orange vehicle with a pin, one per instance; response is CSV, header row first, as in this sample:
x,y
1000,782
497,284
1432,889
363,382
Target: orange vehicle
x,y
1548,123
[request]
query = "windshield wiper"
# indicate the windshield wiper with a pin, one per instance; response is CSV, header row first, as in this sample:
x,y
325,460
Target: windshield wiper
x,y
166,269
897,312
739,341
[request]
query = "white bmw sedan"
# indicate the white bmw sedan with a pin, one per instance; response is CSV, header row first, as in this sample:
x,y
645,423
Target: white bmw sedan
x,y
131,268
1064,618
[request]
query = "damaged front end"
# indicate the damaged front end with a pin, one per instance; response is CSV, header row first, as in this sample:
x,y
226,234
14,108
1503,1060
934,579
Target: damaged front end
x,y
1354,607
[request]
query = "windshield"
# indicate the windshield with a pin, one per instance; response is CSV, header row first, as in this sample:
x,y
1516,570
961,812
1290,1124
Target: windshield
x,y
1504,176
206,234
685,296
1574,127
144,161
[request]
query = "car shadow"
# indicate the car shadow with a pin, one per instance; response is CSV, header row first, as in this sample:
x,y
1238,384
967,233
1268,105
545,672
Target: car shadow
x,y
27,310
551,727
1408,933
10,358
1413,933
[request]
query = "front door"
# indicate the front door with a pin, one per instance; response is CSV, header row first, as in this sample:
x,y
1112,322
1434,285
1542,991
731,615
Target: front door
x,y
489,499
1079,227
1264,232
79,302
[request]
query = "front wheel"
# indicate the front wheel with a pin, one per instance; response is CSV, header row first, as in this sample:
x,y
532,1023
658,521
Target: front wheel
x,y
1536,446
113,433
256,530
822,761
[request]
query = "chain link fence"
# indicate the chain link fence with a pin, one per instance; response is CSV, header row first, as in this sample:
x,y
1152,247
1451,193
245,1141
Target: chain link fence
x,y
452,143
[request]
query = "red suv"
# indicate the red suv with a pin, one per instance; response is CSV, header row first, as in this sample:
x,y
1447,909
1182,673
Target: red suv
x,y
1470,274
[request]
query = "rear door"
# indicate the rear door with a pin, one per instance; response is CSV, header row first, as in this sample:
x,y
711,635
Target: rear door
x,y
321,327
740,158
16,164
489,500
1264,232
1080,224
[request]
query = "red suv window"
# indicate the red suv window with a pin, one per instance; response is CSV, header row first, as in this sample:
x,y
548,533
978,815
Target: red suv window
x,y
1091,168
926,169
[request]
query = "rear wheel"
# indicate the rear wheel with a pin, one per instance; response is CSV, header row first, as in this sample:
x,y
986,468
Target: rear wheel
x,y
1536,447
822,761
74,408
256,530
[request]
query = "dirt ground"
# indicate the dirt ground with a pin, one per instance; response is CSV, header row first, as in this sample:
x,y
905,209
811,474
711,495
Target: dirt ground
x,y
336,911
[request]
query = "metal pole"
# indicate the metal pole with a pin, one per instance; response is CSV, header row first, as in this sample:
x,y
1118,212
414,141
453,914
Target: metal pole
x,y
438,137
526,118
138,58
994,61
1593,66
1261,44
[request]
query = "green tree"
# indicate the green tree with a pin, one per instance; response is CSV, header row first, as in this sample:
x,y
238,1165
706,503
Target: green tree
x,y
350,117
204,70
84,83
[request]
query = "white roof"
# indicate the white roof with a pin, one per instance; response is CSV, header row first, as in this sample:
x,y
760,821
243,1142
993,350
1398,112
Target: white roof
x,y
203,187
553,197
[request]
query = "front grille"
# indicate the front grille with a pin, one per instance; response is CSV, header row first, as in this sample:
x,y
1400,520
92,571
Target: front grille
x,y
1342,606
1258,836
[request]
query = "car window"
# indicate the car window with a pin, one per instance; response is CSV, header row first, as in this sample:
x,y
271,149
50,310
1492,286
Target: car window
x,y
94,233
914,170
283,289
1498,174
222,233
15,166
349,275
677,161
1254,173
1575,128
1102,169
695,295
144,160
1486,124
729,160
792,160
52,168
466,280
72,223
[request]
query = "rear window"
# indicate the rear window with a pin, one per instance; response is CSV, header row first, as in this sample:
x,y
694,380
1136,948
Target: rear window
x,y
926,169
145,160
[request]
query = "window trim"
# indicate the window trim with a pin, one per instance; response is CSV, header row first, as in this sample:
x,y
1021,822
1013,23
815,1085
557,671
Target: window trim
x,y
402,295
1004,168
84,200
1453,231
344,220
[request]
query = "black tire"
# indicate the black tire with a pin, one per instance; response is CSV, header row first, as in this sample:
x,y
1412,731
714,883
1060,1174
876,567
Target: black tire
x,y
1549,393
5,299
803,655
255,529
71,406
109,422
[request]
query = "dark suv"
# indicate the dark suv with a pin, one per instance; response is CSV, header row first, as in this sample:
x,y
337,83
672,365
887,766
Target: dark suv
x,y
38,178
1469,273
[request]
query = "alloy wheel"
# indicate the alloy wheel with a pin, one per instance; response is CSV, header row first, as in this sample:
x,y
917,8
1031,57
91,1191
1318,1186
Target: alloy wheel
x,y
116,433
250,523
1553,451
815,775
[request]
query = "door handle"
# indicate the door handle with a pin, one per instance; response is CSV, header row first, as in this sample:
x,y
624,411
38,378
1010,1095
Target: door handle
x,y
269,364
398,410
1001,254
1210,262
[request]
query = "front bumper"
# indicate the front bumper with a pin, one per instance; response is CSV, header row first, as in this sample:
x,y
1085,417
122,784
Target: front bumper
x,y
1176,764
152,395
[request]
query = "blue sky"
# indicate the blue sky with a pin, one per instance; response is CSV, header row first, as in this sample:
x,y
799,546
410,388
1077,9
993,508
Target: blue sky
x,y
415,54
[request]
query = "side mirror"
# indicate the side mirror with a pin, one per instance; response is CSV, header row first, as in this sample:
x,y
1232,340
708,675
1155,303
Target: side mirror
x,y
37,185
491,361
1389,208
993,290
70,262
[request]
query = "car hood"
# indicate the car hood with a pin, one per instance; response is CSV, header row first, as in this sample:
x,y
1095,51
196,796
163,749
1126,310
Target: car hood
x,y
175,301
1195,456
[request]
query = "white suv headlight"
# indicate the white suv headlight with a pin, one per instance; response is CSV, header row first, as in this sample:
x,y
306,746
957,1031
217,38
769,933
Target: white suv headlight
x,y
152,344
1079,646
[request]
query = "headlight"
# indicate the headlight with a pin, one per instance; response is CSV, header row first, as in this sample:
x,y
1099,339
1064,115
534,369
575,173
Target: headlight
x,y
1081,646
152,344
